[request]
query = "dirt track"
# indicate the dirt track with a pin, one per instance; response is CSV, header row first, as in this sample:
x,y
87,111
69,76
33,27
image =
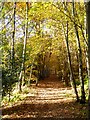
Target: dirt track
x,y
49,100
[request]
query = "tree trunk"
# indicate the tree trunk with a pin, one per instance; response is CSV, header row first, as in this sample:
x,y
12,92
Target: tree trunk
x,y
29,81
13,40
86,46
73,83
30,75
72,80
88,30
24,50
70,66
80,60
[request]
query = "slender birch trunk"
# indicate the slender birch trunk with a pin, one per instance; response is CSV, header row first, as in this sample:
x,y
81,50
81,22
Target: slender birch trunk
x,y
80,59
22,73
72,80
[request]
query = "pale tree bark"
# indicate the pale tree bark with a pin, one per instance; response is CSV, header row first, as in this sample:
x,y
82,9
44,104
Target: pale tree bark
x,y
88,30
80,59
22,73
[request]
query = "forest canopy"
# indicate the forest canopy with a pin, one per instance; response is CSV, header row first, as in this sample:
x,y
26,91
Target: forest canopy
x,y
43,38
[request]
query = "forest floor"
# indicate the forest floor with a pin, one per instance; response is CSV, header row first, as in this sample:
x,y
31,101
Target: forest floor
x,y
51,99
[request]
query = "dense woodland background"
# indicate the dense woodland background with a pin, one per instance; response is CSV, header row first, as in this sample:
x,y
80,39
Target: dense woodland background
x,y
44,38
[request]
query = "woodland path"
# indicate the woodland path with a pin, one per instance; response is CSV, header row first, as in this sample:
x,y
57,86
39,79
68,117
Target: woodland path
x,y
49,100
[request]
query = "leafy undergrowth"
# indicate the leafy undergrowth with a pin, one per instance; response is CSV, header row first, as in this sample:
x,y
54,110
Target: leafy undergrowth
x,y
50,99
16,96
